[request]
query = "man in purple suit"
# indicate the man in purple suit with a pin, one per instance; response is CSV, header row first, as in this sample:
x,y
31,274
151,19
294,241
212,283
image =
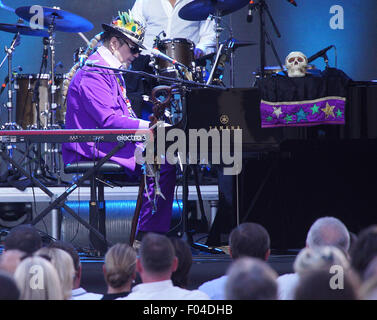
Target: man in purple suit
x,y
97,99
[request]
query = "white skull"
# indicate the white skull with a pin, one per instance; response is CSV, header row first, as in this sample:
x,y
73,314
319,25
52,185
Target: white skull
x,y
296,64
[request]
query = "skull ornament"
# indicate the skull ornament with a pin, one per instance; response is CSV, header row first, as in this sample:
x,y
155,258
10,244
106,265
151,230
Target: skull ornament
x,y
296,64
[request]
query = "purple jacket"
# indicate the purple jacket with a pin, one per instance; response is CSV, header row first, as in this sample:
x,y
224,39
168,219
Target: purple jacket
x,y
95,101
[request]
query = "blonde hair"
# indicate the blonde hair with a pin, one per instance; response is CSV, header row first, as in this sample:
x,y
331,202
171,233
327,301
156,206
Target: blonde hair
x,y
93,43
310,259
120,264
37,279
63,264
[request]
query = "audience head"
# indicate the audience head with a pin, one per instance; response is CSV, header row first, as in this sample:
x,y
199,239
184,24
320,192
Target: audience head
x,y
120,266
324,285
69,248
249,240
157,258
251,279
8,287
23,237
184,255
328,231
310,259
38,279
364,250
63,264
10,259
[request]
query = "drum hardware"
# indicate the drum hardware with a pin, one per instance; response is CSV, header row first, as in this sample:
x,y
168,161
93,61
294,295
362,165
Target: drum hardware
x,y
55,19
10,125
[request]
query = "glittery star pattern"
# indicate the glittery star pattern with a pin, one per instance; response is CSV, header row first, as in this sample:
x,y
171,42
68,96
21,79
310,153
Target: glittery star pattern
x,y
339,113
315,109
277,111
288,118
301,115
329,110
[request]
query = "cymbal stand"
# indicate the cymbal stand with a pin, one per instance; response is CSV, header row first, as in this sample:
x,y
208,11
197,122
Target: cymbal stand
x,y
53,125
218,28
10,125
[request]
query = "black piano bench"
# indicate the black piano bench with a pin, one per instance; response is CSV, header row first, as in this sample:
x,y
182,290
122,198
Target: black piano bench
x,y
97,207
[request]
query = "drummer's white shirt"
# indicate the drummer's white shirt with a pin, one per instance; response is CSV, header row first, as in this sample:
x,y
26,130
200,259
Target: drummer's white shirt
x,y
159,15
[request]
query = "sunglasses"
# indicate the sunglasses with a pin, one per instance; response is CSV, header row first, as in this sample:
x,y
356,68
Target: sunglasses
x,y
133,50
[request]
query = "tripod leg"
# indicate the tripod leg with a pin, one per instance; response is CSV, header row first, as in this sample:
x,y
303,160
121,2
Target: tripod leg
x,y
185,192
200,199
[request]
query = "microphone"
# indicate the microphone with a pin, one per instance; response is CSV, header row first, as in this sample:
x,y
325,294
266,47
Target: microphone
x,y
319,53
157,53
249,17
292,2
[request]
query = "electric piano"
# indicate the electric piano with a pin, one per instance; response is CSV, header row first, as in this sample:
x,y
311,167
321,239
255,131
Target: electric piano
x,y
76,135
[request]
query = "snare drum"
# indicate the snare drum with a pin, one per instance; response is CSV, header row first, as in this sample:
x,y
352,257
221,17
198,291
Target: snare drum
x,y
179,49
26,115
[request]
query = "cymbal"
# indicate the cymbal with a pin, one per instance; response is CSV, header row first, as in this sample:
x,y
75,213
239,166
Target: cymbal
x,y
22,29
238,44
63,20
200,9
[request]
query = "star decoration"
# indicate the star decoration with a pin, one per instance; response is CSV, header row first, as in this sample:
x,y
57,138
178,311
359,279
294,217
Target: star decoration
x,y
315,109
269,118
301,115
288,118
277,111
329,110
339,113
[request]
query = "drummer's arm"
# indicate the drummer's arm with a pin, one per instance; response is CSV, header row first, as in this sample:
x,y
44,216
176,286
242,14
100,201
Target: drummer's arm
x,y
207,36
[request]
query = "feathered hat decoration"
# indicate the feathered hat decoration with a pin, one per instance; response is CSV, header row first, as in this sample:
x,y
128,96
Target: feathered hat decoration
x,y
126,26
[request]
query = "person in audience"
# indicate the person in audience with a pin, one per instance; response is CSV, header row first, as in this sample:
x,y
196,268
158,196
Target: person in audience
x,y
325,231
250,279
8,287
310,260
119,271
368,290
328,231
364,250
10,259
156,263
38,279
184,255
63,264
247,240
78,293
23,237
320,285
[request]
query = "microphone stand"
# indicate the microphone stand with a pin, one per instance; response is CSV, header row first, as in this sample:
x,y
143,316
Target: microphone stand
x,y
262,7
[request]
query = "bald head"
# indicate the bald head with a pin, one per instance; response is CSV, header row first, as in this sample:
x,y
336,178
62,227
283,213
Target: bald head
x,y
328,231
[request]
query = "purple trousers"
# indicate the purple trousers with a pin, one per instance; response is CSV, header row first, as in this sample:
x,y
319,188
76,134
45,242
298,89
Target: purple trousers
x,y
159,220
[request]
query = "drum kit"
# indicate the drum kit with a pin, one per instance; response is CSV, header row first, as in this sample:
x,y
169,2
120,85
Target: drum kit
x,y
182,50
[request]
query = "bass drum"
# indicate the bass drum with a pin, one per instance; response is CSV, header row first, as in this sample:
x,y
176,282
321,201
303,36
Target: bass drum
x,y
26,109
179,49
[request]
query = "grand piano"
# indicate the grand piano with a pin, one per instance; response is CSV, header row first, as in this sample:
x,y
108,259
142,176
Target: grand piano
x,y
292,175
